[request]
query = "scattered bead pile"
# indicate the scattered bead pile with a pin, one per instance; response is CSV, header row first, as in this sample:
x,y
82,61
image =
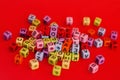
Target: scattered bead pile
x,y
60,44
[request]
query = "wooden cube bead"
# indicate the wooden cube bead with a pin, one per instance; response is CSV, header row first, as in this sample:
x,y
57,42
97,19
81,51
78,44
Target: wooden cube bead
x,y
47,19
24,52
86,21
93,67
60,55
32,28
107,42
66,64
18,59
53,60
36,22
56,70
69,20
91,32
51,47
31,17
19,41
98,43
75,56
26,43
39,56
34,64
100,59
101,31
97,21
53,53
85,53
67,56
83,38
114,35
13,47
7,35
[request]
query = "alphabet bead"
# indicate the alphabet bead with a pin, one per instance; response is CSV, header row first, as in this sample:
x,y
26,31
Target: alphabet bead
x,y
56,70
91,32
24,52
101,31
65,64
75,56
60,55
39,56
93,67
7,35
90,41
47,19
36,22
52,59
34,64
69,20
53,31
51,47
98,42
67,56
19,41
114,35
85,54
39,44
32,28
36,34
23,32
107,42
83,37
97,21
18,59
58,46
86,21
31,17
26,43
100,59
75,48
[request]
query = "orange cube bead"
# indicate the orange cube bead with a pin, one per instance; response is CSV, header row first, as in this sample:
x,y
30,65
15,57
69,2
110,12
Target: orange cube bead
x,y
91,32
107,41
18,59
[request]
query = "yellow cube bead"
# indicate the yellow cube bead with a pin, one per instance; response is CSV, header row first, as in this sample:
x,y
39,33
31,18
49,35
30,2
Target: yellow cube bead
x,y
56,70
34,64
66,64
36,22
97,21
53,53
24,52
54,40
67,56
52,60
31,47
86,21
26,43
60,55
75,57
19,41
53,23
32,40
46,40
32,28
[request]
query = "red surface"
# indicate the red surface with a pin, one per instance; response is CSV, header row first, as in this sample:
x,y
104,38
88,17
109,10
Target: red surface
x,y
13,16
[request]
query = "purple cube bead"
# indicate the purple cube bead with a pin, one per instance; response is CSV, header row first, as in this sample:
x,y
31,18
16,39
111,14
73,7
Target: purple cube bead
x,y
45,51
100,59
7,35
46,19
23,32
90,41
114,35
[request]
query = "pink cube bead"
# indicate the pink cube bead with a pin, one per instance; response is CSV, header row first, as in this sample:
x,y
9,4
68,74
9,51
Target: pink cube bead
x,y
93,67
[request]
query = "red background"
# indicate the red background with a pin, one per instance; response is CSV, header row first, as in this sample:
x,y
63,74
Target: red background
x,y
13,16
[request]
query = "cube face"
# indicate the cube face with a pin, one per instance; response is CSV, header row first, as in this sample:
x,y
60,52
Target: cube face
x,y
85,54
36,22
52,59
90,41
107,42
100,59
86,21
32,28
69,20
47,19
101,31
24,52
67,56
114,35
35,34
75,41
7,35
51,47
60,55
23,32
53,31
34,64
39,44
93,67
75,56
56,70
26,43
19,41
18,59
31,17
65,64
39,56
97,21
75,48
83,37
76,35
91,32
58,46
98,42
31,47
